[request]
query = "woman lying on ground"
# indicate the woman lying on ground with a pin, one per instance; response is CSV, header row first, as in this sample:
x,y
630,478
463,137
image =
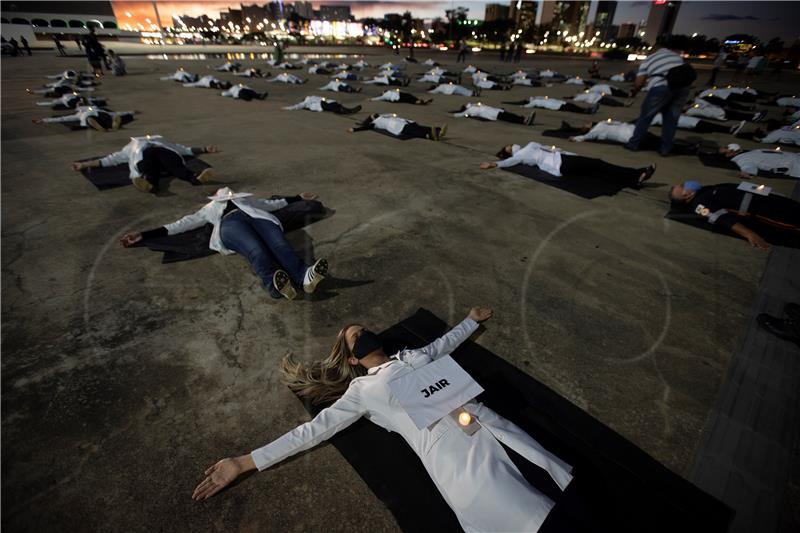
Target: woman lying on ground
x,y
400,127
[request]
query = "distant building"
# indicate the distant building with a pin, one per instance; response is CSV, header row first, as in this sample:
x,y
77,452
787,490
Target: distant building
x,y
232,16
187,22
565,16
627,30
328,12
524,17
661,20
603,18
496,12
256,14
303,9
39,21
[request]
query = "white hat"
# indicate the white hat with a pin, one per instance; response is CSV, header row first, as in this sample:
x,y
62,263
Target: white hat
x,y
734,147
225,193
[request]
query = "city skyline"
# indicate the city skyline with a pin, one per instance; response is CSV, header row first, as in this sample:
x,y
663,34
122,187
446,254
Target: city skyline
x,y
713,19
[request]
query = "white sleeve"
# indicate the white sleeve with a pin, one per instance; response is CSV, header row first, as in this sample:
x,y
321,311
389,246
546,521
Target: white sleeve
x,y
462,114
748,166
189,222
181,149
509,162
117,158
579,138
448,342
326,424
295,107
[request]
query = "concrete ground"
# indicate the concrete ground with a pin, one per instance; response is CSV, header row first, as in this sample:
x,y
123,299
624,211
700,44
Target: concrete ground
x,y
123,378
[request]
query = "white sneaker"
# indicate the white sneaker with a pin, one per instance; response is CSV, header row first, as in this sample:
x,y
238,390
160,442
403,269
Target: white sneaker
x,y
315,274
283,284
738,127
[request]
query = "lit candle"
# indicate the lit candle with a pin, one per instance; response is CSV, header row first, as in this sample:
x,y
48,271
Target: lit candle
x,y
464,419
760,188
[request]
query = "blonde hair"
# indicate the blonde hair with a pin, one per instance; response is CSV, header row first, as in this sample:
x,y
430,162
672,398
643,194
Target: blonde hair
x,y
326,380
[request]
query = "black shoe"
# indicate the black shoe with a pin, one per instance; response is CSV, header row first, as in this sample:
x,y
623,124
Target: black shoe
x,y
792,311
788,330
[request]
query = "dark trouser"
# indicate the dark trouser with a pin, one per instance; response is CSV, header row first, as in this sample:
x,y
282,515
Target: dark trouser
x,y
619,92
264,245
106,119
510,117
335,107
395,81
743,97
574,108
607,100
578,166
56,92
462,56
713,79
732,114
669,103
249,94
652,142
407,98
727,102
346,89
157,160
417,130
706,126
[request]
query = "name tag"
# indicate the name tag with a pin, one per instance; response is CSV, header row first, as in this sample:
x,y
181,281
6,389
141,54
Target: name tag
x,y
431,392
762,190
702,210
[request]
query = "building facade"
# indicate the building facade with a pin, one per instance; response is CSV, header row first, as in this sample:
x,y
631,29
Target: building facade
x,y
524,16
603,19
661,20
496,12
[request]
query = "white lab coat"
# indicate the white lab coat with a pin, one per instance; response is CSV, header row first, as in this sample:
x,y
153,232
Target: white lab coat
x,y
620,132
575,81
788,101
684,122
334,86
618,77
535,155
285,77
179,75
235,90
473,473
65,100
132,152
392,95
480,111
248,73
701,108
769,160
588,97
228,67
519,75
784,135
312,103
522,81
602,88
205,81
470,69
548,74
432,78
378,80
82,113
211,213
391,123
484,83
545,102
451,88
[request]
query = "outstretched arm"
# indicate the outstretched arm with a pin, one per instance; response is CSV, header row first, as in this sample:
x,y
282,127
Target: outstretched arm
x,y
451,340
755,240
327,423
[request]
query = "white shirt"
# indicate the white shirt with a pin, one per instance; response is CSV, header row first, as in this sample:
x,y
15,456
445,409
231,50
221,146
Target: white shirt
x,y
342,74
379,80
535,155
788,101
522,81
769,160
312,103
473,474
388,66
65,100
235,90
684,122
132,152
392,95
179,75
588,97
391,123
484,84
80,115
334,86
249,73
545,102
212,213
701,108
436,71
433,78
451,88
719,93
481,111
574,81
601,88
470,69
618,77
360,64
227,67
784,135
547,73
205,81
519,75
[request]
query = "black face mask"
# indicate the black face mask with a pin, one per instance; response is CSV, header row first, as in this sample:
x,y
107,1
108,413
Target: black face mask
x,y
366,343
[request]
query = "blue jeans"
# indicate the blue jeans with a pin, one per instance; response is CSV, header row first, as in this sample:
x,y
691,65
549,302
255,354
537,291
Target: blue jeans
x,y
264,246
669,103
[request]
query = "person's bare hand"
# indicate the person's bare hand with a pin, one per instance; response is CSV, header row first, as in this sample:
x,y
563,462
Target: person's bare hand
x,y
486,165
36,120
129,239
745,176
78,166
308,196
350,130
217,478
480,314
757,242
212,149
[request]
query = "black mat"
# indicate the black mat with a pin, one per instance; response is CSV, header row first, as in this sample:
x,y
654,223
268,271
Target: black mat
x,y
194,244
402,136
119,175
769,233
617,487
584,187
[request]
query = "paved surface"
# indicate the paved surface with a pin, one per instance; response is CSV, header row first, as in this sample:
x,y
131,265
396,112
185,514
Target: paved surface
x,y
124,378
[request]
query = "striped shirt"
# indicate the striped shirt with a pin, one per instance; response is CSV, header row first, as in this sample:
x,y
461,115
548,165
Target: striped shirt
x,y
656,66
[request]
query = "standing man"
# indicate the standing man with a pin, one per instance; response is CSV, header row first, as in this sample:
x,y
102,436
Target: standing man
x,y
503,52
25,44
668,80
462,52
78,42
719,62
59,46
518,52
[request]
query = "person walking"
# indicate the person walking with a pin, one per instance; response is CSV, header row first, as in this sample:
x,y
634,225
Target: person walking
x,y
667,79
518,52
25,44
503,52
59,46
462,52
719,62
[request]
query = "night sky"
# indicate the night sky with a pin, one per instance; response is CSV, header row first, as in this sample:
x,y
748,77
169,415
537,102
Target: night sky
x,y
714,19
